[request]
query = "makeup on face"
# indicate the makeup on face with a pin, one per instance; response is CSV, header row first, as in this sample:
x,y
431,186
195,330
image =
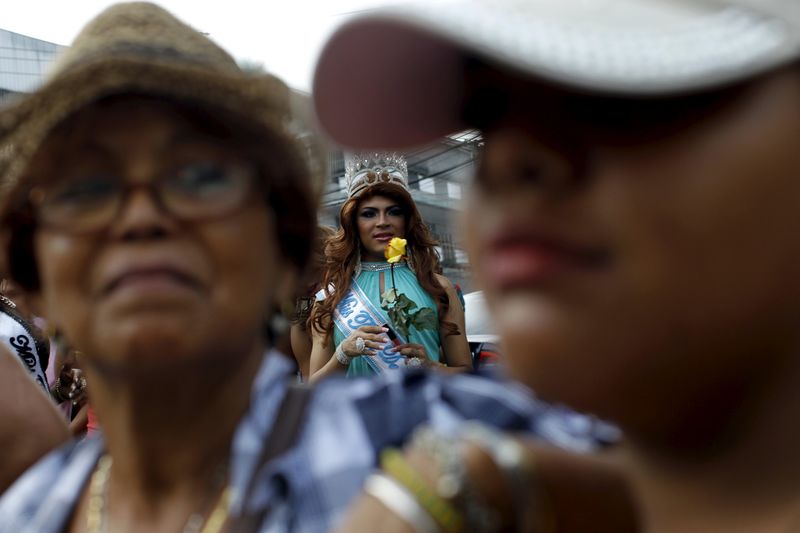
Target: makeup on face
x,y
379,219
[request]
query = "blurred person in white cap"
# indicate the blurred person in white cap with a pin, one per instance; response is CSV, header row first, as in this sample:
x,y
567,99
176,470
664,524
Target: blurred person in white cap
x,y
633,224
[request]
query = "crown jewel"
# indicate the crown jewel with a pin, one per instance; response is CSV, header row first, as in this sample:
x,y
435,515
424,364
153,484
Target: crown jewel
x,y
364,169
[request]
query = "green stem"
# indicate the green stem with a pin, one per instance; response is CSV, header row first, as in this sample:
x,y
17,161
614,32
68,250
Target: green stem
x,y
394,288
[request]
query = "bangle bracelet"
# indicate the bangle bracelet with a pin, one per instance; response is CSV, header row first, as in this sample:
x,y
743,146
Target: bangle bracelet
x,y
394,496
443,512
341,356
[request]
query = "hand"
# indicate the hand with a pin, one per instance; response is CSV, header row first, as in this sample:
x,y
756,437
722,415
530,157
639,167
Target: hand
x,y
367,510
482,475
374,340
411,351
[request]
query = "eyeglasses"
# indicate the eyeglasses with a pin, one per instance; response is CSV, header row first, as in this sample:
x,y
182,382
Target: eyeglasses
x,y
200,190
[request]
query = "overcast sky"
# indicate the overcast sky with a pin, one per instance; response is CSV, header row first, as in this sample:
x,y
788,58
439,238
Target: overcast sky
x,y
285,36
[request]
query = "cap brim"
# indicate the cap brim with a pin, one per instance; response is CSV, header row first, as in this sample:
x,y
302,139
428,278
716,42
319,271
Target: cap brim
x,y
395,79
382,83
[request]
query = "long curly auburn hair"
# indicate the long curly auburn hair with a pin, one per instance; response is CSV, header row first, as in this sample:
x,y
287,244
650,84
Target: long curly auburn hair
x,y
343,248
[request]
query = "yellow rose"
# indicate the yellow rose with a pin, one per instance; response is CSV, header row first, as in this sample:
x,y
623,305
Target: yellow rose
x,y
395,250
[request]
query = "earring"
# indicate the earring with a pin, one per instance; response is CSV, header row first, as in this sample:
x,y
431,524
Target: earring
x,y
357,269
410,259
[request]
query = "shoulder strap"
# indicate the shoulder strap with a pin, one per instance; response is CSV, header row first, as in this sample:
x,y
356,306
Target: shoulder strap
x,y
288,422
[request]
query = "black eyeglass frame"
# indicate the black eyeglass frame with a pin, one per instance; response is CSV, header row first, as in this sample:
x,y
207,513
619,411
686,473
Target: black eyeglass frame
x,y
35,201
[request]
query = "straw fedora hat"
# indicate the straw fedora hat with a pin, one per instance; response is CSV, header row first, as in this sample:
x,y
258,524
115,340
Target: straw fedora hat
x,y
139,48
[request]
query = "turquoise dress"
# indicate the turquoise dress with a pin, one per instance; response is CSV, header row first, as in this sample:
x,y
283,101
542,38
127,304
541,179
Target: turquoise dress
x,y
406,282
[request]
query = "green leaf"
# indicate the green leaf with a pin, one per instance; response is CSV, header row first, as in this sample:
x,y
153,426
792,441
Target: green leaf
x,y
387,298
399,320
405,303
400,309
425,318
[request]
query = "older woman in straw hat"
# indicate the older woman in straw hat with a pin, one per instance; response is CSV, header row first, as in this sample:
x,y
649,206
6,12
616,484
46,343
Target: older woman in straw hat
x,y
158,208
148,186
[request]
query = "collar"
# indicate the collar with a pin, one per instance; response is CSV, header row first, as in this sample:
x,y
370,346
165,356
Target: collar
x,y
380,266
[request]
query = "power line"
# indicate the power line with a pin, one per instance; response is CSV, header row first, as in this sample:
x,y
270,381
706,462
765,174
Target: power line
x,y
440,153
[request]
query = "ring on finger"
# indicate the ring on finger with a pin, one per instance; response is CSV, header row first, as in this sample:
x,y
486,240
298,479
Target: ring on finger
x,y
414,362
360,345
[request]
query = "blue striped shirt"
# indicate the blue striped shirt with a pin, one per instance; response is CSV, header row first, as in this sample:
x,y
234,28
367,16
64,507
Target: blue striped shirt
x,y
309,487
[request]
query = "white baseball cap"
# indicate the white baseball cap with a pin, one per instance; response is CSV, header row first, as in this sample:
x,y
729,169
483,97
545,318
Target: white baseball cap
x,y
394,78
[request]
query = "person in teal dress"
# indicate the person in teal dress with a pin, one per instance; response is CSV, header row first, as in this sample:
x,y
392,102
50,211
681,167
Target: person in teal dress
x,y
353,329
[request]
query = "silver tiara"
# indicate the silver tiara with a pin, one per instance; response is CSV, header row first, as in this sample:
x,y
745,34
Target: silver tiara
x,y
364,169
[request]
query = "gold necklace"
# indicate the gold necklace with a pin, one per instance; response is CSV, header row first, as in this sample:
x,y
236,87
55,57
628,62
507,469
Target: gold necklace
x,y
96,515
97,495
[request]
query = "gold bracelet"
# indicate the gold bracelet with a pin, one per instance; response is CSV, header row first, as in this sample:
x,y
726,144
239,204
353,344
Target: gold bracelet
x,y
447,516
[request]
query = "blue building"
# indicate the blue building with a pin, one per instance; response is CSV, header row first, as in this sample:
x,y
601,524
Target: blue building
x,y
23,61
